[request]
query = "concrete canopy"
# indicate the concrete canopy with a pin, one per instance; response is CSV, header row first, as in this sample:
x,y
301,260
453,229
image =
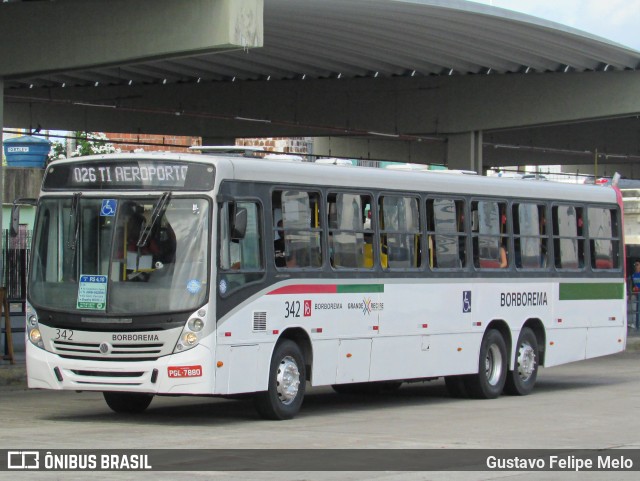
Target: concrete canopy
x,y
401,76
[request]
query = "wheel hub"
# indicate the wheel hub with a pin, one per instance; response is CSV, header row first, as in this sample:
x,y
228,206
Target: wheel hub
x,y
526,361
493,365
288,380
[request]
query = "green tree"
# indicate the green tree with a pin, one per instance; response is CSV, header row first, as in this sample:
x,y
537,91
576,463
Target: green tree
x,y
93,143
58,151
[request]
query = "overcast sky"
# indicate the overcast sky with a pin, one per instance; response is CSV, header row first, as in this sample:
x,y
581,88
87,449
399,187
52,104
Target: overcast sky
x,y
615,20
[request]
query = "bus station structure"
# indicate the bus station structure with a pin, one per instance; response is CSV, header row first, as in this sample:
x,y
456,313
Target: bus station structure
x,y
423,81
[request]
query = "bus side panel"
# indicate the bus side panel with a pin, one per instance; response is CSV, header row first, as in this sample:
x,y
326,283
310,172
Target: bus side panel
x,y
245,368
565,345
433,307
566,331
605,340
354,356
399,358
424,356
588,321
422,325
608,327
325,358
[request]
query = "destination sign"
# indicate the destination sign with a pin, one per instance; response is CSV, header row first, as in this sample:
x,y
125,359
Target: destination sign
x,y
130,174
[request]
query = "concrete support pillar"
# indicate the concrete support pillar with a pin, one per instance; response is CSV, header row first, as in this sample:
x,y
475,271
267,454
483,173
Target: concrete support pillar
x,y
464,151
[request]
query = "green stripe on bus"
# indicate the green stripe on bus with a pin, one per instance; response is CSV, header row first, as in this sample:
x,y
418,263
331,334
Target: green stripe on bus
x,y
584,292
359,288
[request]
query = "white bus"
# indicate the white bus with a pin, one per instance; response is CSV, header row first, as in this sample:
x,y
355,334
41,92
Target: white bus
x,y
209,275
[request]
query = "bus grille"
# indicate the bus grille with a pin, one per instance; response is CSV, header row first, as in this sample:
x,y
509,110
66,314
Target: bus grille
x,y
116,352
106,378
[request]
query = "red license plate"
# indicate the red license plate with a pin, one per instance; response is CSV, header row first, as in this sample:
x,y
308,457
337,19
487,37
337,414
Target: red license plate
x,y
184,371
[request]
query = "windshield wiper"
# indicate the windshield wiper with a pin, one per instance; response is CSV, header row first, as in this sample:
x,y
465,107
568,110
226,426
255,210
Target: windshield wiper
x,y
75,202
158,212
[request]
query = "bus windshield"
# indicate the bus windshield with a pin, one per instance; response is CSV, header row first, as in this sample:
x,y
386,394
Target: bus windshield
x,y
129,255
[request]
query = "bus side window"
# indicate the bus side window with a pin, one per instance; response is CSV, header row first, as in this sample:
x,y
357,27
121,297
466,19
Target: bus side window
x,y
528,231
489,234
445,229
348,237
400,231
603,238
567,237
296,236
241,258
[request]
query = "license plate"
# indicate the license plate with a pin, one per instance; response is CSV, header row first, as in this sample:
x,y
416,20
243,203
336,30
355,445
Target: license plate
x,y
184,371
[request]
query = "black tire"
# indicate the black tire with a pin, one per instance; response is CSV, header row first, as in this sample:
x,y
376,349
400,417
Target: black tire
x,y
492,368
522,379
287,382
455,387
363,388
127,402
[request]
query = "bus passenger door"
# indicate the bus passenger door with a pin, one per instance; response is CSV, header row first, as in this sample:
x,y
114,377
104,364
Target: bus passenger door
x,y
353,360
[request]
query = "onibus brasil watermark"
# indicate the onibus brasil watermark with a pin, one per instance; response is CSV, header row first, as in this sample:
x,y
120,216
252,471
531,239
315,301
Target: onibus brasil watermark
x,y
577,460
49,461
601,462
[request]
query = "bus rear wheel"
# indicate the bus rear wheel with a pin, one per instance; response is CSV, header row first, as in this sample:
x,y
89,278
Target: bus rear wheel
x,y
522,379
287,379
492,368
127,402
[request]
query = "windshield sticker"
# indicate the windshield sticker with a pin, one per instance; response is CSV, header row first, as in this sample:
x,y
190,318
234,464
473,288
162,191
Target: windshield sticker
x,y
194,286
92,292
108,208
223,286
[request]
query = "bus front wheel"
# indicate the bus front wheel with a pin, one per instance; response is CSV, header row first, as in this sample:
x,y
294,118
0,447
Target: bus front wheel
x,y
127,402
521,380
287,379
492,368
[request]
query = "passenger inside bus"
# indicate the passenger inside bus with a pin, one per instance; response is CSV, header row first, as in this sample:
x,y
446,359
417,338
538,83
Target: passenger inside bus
x,y
503,257
280,249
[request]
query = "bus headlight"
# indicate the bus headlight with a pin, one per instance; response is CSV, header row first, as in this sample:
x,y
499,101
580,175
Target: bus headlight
x,y
33,327
190,339
195,324
36,338
187,340
192,332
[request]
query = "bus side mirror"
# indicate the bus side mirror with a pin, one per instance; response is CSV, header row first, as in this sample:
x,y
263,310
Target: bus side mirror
x,y
15,214
239,228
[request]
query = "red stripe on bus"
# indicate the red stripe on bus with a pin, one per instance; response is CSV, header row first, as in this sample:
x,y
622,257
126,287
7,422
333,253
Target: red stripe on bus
x,y
306,289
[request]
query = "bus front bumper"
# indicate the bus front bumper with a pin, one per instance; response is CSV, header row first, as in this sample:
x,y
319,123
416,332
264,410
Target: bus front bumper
x,y
189,372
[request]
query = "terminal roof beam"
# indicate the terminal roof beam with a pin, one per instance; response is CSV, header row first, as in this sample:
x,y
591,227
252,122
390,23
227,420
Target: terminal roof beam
x,y
40,38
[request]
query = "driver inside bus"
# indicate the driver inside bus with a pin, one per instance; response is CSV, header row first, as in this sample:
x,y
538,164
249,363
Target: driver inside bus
x,y
159,249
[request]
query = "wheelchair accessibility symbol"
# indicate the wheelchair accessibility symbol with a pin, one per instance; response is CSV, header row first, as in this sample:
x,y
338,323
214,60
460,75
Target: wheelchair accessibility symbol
x,y
466,301
108,208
